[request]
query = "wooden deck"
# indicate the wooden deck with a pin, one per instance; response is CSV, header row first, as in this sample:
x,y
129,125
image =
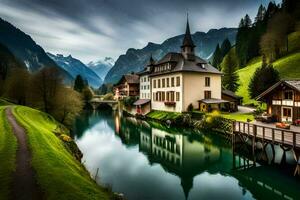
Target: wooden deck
x,y
268,134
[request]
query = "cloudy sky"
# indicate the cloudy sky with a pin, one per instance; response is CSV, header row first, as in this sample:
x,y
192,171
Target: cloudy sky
x,y
94,29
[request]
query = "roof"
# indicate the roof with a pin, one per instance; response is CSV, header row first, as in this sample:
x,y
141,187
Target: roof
x,y
295,84
187,41
213,101
231,94
130,78
196,65
141,102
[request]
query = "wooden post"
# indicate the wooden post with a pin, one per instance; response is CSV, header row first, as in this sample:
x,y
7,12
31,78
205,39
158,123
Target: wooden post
x,y
294,139
273,136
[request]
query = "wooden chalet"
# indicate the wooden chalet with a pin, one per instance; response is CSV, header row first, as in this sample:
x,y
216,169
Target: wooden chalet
x,y
283,100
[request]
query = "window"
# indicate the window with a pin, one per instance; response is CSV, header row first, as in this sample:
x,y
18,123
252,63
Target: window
x,y
207,81
207,94
168,96
168,83
177,81
154,83
145,79
172,96
287,112
288,95
163,83
154,99
163,96
276,102
158,83
172,82
177,96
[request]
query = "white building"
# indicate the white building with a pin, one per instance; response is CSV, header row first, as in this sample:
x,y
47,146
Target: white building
x,y
181,79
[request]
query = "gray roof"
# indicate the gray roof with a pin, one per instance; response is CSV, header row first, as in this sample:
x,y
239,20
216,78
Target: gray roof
x,y
231,94
130,78
196,65
213,101
295,84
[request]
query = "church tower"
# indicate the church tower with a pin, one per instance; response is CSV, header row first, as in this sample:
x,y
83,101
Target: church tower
x,y
188,47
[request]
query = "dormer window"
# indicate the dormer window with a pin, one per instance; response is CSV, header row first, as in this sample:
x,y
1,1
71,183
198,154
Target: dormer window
x,y
202,65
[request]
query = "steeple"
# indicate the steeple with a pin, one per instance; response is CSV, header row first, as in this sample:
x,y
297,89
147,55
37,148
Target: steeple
x,y
151,60
187,47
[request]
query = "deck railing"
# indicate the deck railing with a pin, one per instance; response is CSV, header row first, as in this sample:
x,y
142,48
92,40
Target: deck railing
x,y
275,135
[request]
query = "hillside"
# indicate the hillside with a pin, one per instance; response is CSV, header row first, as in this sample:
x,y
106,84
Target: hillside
x,y
75,67
51,155
135,59
288,67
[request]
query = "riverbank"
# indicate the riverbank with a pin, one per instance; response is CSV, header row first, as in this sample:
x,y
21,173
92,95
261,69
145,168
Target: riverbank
x,y
55,158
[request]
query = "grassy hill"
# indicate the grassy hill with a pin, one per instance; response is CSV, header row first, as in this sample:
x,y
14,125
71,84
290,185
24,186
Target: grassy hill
x,y
288,67
59,174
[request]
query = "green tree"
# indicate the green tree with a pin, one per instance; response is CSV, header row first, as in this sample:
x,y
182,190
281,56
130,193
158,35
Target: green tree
x,y
217,57
79,83
263,78
87,94
229,67
225,47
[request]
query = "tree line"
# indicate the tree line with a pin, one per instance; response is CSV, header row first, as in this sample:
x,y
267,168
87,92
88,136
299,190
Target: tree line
x,y
265,37
44,90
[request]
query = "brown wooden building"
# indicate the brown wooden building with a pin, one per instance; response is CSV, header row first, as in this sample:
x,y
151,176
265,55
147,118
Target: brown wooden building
x,y
283,100
128,85
234,100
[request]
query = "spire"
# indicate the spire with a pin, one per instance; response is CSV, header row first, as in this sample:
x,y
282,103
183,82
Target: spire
x,y
151,60
187,41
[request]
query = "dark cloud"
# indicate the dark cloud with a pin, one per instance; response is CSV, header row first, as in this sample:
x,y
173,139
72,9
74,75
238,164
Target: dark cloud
x,y
109,27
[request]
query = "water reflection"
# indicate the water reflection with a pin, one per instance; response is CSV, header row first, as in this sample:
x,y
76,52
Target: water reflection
x,y
149,161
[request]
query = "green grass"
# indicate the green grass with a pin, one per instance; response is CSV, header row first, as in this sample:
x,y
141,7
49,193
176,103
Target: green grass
x,y
245,75
8,147
162,115
4,102
238,116
59,175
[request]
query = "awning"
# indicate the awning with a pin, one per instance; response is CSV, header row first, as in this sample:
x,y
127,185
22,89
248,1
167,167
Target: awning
x,y
141,102
213,101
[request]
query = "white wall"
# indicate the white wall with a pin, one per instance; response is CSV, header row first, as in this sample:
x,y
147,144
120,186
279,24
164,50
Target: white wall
x,y
194,87
145,87
156,105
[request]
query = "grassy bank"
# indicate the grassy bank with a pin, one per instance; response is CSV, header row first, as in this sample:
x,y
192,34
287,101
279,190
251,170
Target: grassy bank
x,y
8,147
163,116
59,174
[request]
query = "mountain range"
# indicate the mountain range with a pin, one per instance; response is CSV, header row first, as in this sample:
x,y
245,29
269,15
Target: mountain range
x,y
24,48
101,67
135,59
75,67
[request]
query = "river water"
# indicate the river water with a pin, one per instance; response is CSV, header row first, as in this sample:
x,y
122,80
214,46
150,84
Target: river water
x,y
145,161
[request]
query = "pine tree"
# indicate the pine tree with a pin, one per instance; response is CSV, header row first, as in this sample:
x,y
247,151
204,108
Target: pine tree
x,y
247,20
260,14
79,83
229,67
225,47
263,78
217,57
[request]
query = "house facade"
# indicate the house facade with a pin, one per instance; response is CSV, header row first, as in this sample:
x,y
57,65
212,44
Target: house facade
x,y
181,79
127,86
283,100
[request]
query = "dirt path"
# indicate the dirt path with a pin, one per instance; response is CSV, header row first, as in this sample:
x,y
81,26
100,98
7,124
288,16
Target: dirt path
x,y
24,183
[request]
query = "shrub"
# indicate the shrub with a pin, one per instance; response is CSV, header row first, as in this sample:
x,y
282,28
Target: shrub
x,y
190,107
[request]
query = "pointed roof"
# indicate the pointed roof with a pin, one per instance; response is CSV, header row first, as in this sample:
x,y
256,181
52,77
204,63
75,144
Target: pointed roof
x,y
151,60
187,41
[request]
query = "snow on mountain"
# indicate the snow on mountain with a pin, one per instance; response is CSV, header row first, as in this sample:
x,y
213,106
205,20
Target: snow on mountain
x,y
75,67
101,67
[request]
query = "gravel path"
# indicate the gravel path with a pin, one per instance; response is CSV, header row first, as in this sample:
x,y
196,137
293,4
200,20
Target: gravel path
x,y
24,183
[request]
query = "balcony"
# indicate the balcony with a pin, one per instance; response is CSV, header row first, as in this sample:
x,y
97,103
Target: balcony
x,y
170,103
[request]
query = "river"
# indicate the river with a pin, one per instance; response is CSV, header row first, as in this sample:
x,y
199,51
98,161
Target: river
x,y
145,161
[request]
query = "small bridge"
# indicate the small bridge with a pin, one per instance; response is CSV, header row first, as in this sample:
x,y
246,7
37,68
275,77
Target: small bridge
x,y
267,135
96,102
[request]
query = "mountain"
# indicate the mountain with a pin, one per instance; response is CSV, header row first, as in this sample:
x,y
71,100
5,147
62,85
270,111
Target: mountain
x,y
135,59
101,67
24,48
75,67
